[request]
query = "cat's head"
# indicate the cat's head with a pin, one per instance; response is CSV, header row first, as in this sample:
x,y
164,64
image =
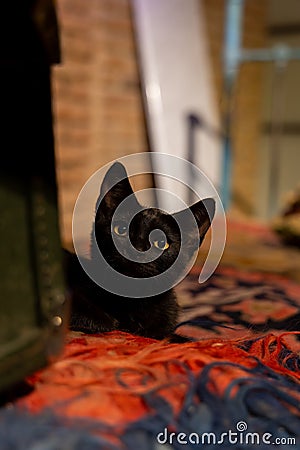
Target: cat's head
x,y
143,242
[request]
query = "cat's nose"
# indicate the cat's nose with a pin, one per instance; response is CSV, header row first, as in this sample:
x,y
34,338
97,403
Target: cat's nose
x,y
141,246
140,243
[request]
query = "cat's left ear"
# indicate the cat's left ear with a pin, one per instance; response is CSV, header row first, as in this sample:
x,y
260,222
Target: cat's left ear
x,y
204,212
115,187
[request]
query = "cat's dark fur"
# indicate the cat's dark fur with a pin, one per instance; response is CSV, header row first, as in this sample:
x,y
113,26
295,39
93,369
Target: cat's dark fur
x,y
95,310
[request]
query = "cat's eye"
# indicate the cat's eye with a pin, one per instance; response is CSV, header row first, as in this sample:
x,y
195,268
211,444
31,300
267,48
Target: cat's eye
x,y
161,244
120,229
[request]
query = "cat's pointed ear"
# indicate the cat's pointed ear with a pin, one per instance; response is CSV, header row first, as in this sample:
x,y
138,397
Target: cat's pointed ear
x,y
115,187
204,212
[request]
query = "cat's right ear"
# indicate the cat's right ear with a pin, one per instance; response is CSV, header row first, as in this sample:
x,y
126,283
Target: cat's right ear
x,y
203,212
114,188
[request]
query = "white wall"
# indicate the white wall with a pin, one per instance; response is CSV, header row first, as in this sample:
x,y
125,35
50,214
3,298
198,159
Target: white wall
x,y
177,80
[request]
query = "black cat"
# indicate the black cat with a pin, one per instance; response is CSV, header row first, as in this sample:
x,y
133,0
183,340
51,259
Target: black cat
x,y
95,309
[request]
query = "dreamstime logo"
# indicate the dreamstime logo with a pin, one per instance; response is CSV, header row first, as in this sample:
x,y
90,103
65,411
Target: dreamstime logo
x,y
186,181
240,436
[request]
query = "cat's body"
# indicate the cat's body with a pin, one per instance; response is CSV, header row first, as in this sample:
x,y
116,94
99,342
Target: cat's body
x,y
95,309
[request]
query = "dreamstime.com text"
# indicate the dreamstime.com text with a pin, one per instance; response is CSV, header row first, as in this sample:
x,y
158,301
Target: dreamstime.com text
x,y
239,436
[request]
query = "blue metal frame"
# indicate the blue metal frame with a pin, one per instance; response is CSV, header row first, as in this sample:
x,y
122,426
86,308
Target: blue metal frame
x,y
233,56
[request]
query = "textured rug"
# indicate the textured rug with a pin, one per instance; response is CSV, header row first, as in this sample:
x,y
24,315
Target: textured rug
x,y
235,304
237,386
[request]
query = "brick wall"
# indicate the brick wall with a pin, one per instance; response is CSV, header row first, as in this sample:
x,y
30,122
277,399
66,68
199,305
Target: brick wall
x,y
97,98
248,97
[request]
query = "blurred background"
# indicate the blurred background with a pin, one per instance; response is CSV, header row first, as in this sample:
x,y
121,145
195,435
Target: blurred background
x,y
212,81
103,109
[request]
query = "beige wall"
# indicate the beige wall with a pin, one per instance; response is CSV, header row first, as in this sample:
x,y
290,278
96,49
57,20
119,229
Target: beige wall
x,y
248,98
282,107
